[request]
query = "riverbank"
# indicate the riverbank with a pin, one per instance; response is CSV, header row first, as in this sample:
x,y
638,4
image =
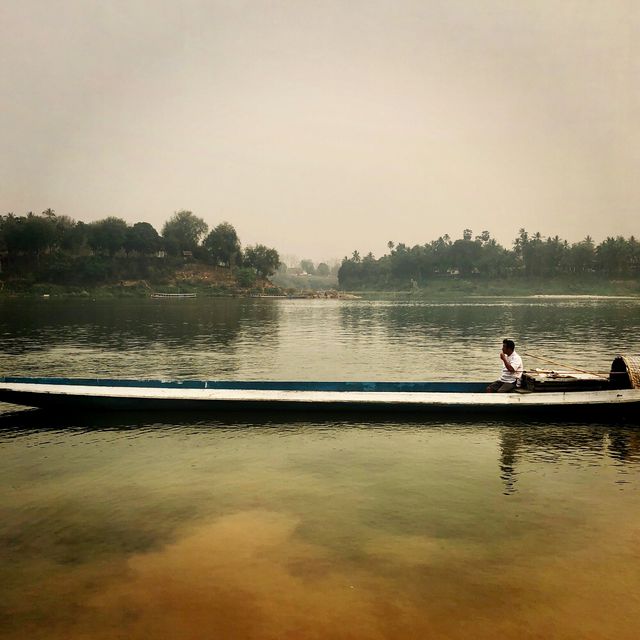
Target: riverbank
x,y
132,289
144,290
436,289
447,288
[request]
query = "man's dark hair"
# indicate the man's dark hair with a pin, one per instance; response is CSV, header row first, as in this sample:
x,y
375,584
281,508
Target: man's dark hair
x,y
510,344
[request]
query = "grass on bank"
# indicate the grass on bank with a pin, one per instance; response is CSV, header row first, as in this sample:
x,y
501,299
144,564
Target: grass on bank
x,y
137,290
514,287
435,289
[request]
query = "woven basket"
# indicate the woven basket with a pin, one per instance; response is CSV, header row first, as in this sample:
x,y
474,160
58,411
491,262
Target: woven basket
x,y
629,365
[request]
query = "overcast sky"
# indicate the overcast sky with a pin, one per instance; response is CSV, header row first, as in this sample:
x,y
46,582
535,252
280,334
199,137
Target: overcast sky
x,y
320,127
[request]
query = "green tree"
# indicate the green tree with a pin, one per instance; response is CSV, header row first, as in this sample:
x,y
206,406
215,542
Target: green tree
x,y
64,226
182,232
531,251
31,234
72,236
223,244
323,269
11,233
495,260
519,244
441,250
465,253
40,234
3,244
263,259
614,256
401,264
580,257
348,274
634,255
555,251
484,238
246,277
107,235
143,238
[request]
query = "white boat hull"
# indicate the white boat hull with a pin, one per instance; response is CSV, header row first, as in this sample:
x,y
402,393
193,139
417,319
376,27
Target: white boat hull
x,y
175,396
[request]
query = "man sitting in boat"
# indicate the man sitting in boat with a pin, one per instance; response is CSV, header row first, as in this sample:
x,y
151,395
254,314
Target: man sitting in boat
x,y
511,369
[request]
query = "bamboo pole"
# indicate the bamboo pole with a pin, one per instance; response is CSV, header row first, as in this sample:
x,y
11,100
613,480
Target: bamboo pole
x,y
567,366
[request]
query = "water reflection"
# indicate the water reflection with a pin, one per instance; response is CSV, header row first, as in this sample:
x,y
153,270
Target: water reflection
x,y
520,441
131,324
561,443
624,446
133,338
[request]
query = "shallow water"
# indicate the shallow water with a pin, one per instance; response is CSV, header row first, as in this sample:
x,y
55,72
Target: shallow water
x,y
300,526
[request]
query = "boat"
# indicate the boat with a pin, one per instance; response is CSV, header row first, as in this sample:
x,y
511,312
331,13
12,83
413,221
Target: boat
x,y
173,296
542,391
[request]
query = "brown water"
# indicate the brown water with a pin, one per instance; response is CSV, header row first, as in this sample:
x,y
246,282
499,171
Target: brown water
x,y
292,526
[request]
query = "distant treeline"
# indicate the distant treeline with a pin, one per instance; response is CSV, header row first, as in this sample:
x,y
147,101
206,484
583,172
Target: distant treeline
x,y
55,248
532,256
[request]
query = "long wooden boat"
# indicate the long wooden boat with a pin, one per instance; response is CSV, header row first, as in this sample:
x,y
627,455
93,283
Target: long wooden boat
x,y
173,296
619,393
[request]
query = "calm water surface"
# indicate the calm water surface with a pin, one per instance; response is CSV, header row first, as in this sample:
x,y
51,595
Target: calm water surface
x,y
296,526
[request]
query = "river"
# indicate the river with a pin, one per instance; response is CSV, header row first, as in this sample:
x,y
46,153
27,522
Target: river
x,y
306,526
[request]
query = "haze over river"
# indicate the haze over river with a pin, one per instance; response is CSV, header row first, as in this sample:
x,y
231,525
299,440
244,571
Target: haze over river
x,y
298,526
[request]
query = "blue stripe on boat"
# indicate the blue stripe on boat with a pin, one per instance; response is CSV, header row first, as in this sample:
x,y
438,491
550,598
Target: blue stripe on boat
x,y
274,385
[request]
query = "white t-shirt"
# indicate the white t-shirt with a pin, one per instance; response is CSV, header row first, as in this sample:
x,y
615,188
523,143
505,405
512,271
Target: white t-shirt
x,y
512,376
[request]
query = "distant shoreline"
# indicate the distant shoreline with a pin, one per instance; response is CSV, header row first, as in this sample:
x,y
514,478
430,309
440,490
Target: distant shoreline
x,y
513,288
164,292
509,289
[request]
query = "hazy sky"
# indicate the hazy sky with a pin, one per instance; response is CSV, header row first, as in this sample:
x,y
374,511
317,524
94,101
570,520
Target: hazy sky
x,y
320,127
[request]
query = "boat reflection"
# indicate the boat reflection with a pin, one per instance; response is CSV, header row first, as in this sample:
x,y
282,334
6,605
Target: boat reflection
x,y
549,443
520,441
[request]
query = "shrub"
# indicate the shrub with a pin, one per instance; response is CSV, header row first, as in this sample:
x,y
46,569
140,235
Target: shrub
x,y
246,277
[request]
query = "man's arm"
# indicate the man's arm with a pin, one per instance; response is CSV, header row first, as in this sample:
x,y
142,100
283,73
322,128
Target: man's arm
x,y
507,364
